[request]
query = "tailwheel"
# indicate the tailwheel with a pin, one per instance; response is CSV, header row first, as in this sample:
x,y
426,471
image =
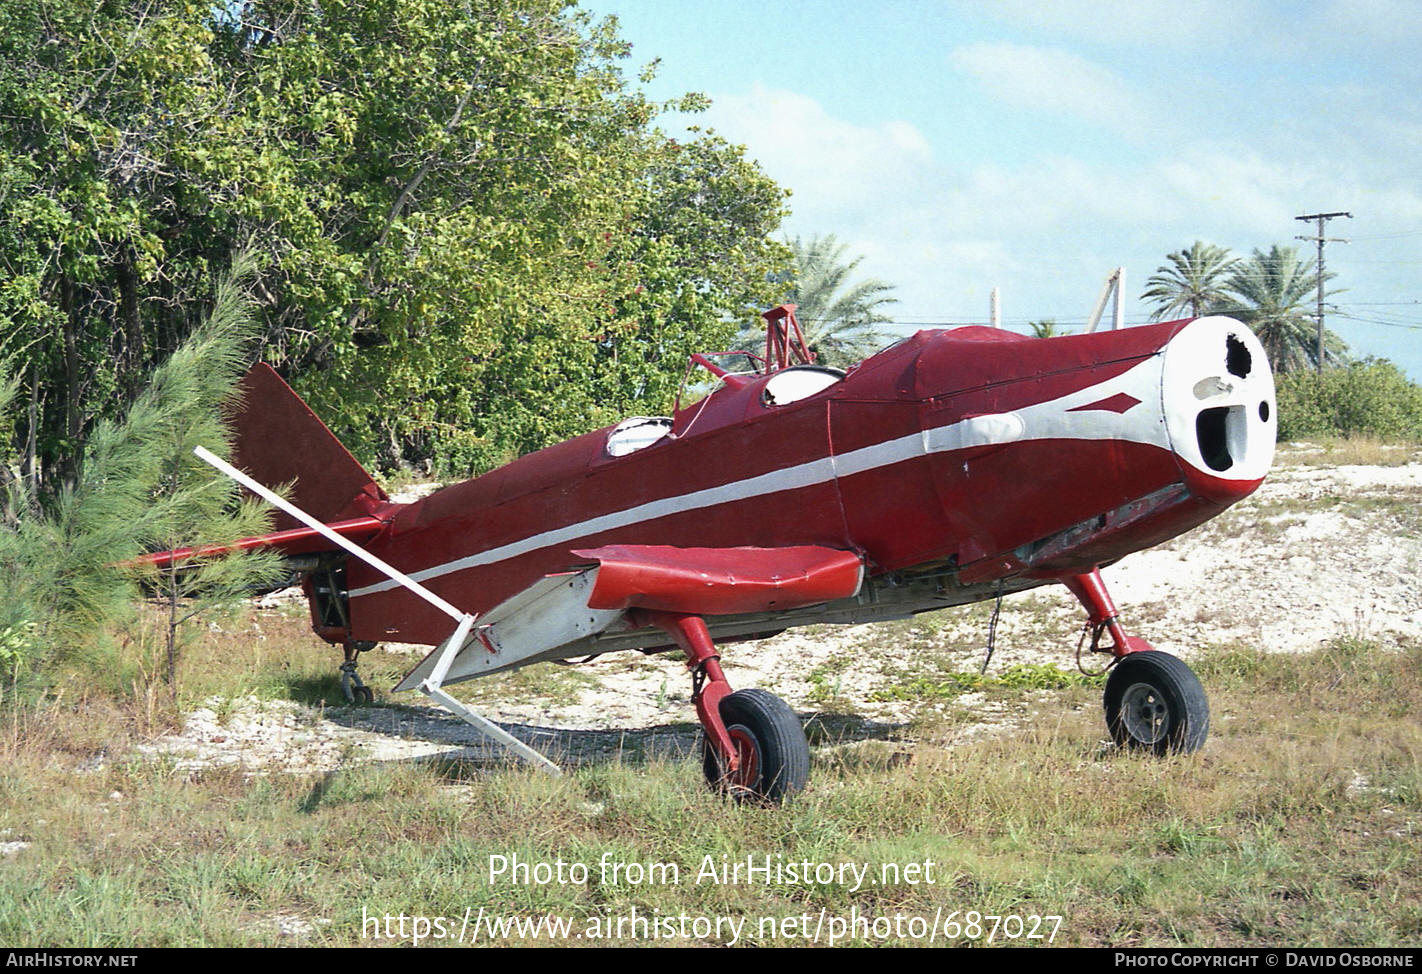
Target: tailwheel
x,y
770,744
352,686
1154,702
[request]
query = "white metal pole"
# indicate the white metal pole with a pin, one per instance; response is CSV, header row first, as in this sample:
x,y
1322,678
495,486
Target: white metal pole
x,y
1118,319
330,535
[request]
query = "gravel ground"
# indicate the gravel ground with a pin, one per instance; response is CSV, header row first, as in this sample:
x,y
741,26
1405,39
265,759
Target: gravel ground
x,y
1315,554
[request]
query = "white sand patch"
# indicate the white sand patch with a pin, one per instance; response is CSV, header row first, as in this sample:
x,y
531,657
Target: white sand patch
x,y
1304,561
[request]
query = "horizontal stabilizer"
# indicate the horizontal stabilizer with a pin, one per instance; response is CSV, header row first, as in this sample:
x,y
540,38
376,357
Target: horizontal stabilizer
x,y
297,541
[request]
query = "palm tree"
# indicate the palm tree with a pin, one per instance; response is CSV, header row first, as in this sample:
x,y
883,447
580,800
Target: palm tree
x,y
1046,328
1271,293
1194,281
839,315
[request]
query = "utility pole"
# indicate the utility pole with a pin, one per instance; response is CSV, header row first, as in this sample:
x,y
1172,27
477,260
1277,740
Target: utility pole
x,y
995,309
1114,287
1321,218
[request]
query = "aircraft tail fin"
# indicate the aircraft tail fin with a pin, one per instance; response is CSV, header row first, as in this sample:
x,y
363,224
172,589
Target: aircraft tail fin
x,y
279,440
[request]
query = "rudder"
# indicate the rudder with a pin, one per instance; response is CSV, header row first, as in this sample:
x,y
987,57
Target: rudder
x,y
280,440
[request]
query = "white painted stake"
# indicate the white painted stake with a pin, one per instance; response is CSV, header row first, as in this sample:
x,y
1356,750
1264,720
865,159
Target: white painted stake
x,y
1115,283
451,646
329,535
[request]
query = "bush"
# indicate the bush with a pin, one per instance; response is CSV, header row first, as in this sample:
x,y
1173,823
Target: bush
x,y
138,488
1368,398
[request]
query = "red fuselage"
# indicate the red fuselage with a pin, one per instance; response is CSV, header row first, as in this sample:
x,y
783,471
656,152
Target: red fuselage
x,y
974,454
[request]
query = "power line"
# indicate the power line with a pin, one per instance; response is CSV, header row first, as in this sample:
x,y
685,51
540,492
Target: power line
x,y
1390,236
1381,321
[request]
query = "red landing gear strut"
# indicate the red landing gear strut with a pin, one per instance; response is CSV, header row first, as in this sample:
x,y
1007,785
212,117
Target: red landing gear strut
x,y
1153,701
1102,617
755,746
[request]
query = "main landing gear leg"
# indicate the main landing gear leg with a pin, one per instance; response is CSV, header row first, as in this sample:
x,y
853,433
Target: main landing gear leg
x,y
1153,701
1102,617
754,747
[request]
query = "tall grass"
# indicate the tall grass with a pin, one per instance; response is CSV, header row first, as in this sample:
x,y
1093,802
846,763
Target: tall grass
x,y
1297,824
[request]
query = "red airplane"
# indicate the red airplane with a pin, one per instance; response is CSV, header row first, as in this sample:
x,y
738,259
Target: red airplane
x,y
952,467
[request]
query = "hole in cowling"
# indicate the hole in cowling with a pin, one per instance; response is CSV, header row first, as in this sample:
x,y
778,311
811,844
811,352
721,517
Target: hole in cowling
x,y
1264,411
1237,358
1212,435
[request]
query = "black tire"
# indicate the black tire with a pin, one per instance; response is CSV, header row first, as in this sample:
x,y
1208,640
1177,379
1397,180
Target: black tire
x,y
1154,702
364,696
775,756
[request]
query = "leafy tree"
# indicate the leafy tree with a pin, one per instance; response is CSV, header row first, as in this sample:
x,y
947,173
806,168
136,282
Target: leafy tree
x,y
1270,292
1193,282
1046,328
1369,398
509,252
691,263
839,314
115,159
473,239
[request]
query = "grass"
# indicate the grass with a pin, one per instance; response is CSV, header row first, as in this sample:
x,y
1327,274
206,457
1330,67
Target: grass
x,y
1296,825
1346,451
1023,676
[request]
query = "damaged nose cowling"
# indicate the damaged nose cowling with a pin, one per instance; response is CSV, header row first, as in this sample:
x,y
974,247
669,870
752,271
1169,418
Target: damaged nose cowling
x,y
1217,398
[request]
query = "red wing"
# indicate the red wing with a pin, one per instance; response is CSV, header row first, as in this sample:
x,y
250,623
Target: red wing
x,y
558,615
720,581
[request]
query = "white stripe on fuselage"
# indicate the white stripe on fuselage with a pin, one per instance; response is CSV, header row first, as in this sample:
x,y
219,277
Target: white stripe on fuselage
x,y
1051,420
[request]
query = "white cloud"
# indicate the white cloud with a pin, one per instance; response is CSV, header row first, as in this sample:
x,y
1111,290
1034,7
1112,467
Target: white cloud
x,y
1371,22
1045,225
836,164
1053,81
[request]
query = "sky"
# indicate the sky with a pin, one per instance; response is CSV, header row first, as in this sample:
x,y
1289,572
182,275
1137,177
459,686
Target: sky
x,y
1034,146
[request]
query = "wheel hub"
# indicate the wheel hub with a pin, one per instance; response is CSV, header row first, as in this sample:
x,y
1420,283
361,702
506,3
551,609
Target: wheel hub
x,y
746,777
1146,715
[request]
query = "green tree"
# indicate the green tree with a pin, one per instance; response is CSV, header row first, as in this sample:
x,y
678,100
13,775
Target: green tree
x,y
137,487
189,502
1271,293
1046,328
1193,282
510,252
838,313
116,161
474,241
1367,398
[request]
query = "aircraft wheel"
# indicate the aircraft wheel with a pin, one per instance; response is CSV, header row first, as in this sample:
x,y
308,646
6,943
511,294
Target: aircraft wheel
x,y
1154,702
364,696
770,741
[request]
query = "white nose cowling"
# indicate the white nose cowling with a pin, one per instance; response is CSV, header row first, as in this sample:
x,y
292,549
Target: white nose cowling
x,y
1217,397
